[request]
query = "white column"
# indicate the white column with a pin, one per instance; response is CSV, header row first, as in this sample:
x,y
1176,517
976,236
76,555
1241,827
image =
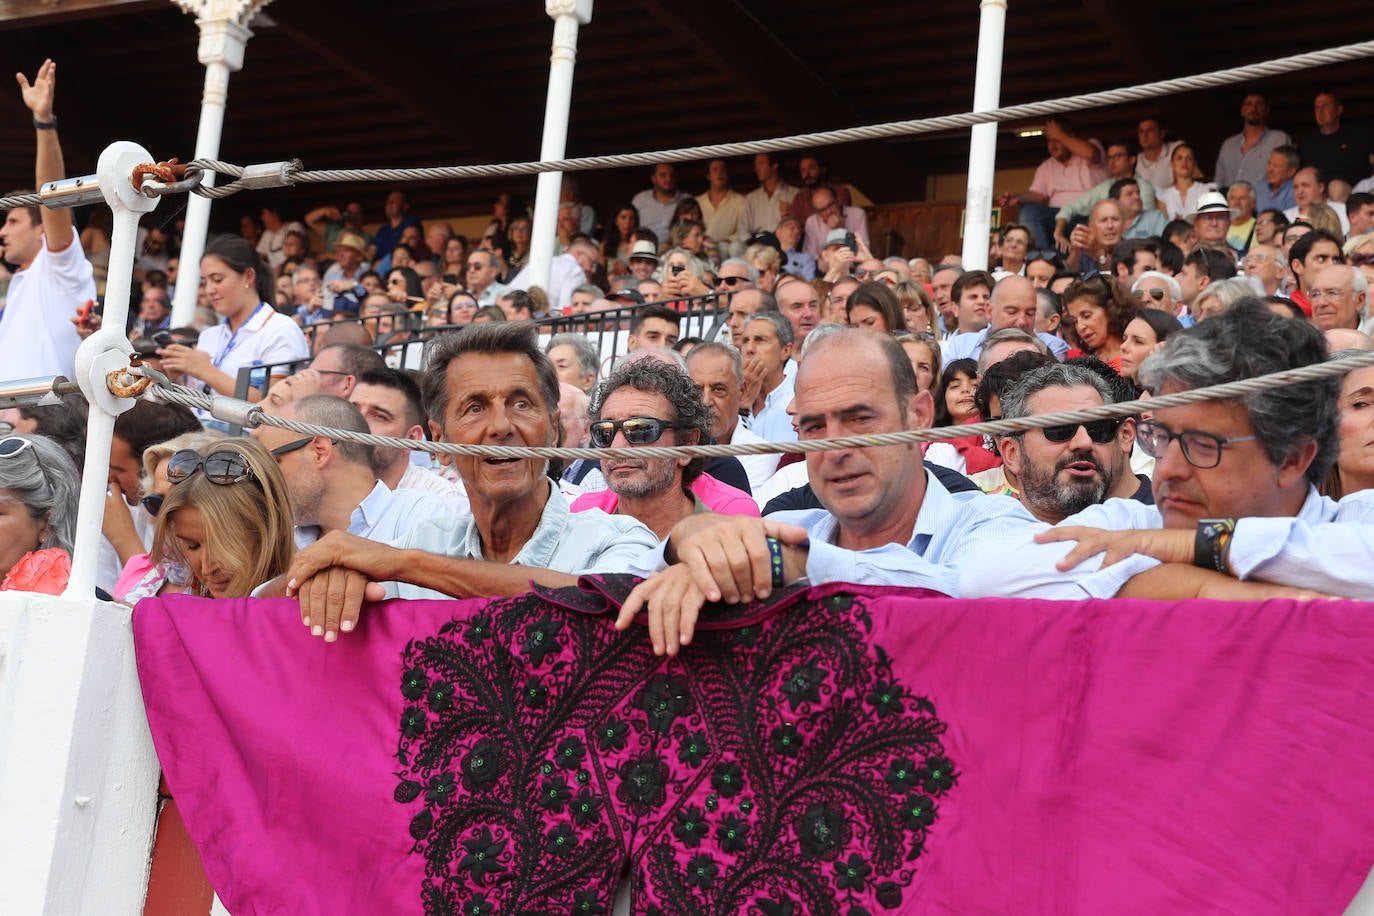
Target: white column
x,y
567,16
982,151
223,35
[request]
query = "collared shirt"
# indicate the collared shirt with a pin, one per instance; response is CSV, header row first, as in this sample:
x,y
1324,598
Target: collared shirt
x,y
1293,214
419,477
386,514
488,295
1268,199
266,338
947,535
37,337
799,263
723,222
761,213
773,423
1234,165
654,214
1159,173
1147,223
575,543
1062,182
855,220
758,467
970,343
351,298
1083,206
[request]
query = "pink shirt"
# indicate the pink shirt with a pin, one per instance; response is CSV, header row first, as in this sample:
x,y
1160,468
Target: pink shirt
x,y
720,498
1064,182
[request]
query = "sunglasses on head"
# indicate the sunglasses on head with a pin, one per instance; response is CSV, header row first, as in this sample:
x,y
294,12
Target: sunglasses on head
x,y
637,430
13,445
223,467
1100,431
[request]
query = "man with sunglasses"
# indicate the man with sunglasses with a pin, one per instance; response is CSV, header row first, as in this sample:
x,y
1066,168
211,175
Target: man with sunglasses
x,y
1235,481
1064,469
491,385
647,402
735,275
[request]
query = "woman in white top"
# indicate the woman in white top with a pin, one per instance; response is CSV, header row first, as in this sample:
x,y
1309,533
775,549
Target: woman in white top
x,y
252,334
1180,200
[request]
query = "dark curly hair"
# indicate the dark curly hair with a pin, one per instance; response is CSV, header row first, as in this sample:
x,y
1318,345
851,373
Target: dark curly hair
x,y
648,373
1108,295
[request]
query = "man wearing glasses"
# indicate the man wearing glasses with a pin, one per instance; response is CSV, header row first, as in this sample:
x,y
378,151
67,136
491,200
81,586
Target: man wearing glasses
x,y
1265,264
1062,470
1235,481
649,401
828,214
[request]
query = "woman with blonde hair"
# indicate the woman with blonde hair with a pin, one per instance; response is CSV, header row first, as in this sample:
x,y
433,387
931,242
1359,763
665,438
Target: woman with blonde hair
x,y
916,306
1324,218
768,262
227,517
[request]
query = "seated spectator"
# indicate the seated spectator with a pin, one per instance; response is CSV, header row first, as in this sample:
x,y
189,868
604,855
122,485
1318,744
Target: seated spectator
x,y
1339,295
226,518
924,352
682,275
827,215
1013,247
1203,267
1013,304
971,296
1181,198
718,372
1263,264
1359,212
1144,334
1061,470
1121,160
332,483
1307,256
657,204
1276,191
1241,199
1099,309
1309,189
575,359
872,305
654,326
955,404
573,408
637,405
1354,467
1091,245
389,401
918,310
1219,296
489,385
795,260
766,262
39,487
768,341
1074,166
143,576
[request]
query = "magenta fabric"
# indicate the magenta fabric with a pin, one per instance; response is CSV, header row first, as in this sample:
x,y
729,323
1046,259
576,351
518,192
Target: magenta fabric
x,y
720,498
841,750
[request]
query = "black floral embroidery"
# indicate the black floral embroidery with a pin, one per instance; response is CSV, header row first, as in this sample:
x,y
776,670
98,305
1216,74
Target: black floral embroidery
x,y
778,768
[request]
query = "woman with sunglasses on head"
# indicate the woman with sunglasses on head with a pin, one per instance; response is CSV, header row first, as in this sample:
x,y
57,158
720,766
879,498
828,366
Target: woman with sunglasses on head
x,y
226,518
39,489
253,333
143,576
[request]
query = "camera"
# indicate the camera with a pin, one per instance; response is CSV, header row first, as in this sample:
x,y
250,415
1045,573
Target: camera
x,y
163,339
678,269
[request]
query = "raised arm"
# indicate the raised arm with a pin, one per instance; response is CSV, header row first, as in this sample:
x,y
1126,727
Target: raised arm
x,y
38,98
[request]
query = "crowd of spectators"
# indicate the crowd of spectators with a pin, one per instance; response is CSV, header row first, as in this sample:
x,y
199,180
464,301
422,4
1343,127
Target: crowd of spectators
x,y
1124,272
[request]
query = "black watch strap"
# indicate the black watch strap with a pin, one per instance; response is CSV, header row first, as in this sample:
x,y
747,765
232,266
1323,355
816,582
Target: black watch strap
x,y
1212,545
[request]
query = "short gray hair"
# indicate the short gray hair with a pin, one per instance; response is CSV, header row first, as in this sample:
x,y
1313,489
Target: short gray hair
x,y
750,269
588,359
592,288
1002,335
44,478
784,327
729,352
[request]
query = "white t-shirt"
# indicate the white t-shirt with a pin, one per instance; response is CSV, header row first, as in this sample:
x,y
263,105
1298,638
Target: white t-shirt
x,y
37,338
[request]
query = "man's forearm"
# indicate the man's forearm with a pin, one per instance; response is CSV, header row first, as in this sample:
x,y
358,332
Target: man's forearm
x,y
464,578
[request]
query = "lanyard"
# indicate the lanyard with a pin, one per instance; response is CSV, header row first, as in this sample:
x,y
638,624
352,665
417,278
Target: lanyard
x,y
234,337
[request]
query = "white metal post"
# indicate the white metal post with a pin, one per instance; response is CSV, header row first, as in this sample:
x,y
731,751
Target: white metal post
x,y
567,15
223,35
982,151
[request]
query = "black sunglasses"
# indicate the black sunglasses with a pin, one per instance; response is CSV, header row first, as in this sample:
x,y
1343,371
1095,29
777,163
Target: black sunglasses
x,y
1100,431
222,467
153,503
292,446
731,281
637,430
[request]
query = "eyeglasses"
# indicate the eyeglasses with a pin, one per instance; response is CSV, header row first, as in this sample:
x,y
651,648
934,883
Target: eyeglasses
x,y
637,430
731,281
862,274
1201,450
6,428
1255,259
153,503
1155,294
1315,294
222,467
1100,431
13,445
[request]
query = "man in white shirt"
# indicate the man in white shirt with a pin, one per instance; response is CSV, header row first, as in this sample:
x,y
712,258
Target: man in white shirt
x,y
389,401
657,204
722,208
718,371
768,339
1309,187
766,205
1153,163
481,276
52,278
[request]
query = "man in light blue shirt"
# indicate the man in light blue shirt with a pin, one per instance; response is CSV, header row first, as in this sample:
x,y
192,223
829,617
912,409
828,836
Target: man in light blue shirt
x,y
491,385
767,340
